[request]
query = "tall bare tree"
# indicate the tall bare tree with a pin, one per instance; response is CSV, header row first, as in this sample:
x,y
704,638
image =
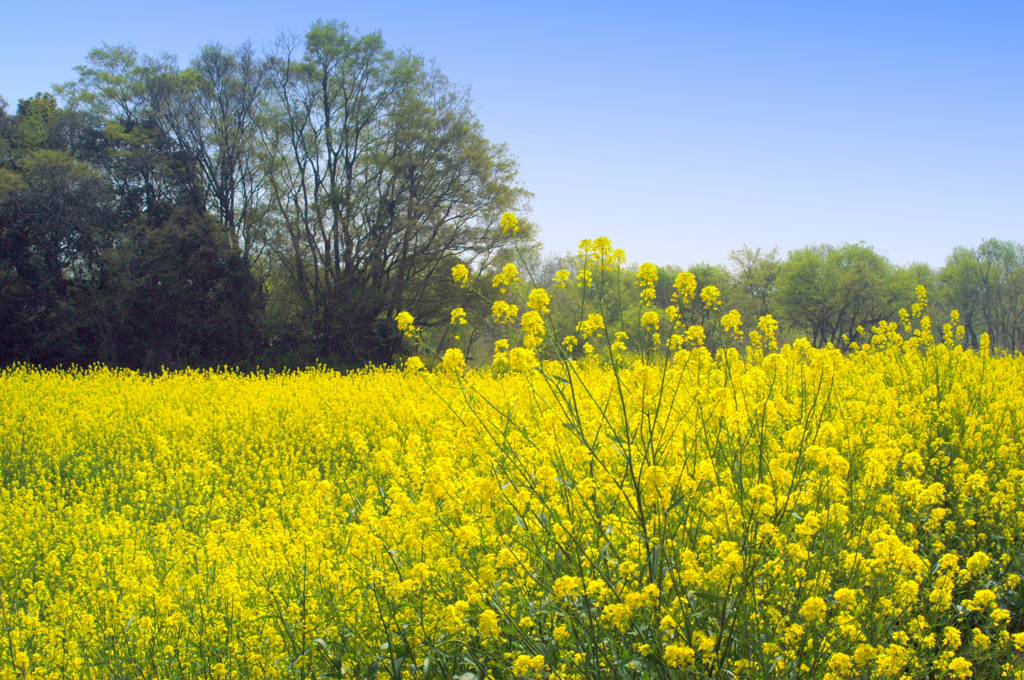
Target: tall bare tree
x,y
382,181
213,111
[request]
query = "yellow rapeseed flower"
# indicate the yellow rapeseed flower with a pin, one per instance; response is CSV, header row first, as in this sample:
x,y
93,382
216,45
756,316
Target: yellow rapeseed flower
x,y
961,668
732,322
539,300
679,655
711,297
509,223
650,320
685,287
460,273
405,322
813,609
508,275
454,360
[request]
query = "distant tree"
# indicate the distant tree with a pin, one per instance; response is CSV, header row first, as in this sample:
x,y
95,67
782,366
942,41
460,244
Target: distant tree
x,y
147,219
30,128
755,274
6,156
963,289
1003,265
986,286
833,292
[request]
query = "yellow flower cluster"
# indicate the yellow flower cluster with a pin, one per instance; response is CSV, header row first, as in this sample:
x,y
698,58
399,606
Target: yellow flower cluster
x,y
685,287
647,277
405,323
509,223
600,252
591,325
508,275
460,274
539,300
504,312
711,297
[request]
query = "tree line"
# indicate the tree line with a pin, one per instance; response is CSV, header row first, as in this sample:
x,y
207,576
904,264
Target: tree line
x,y
831,294
836,294
279,208
273,208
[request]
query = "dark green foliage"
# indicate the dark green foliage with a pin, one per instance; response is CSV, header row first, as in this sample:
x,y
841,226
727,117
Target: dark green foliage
x,y
106,254
986,285
177,294
52,212
837,293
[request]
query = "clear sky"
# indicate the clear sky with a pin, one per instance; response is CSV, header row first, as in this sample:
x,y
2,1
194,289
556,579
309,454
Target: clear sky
x,y
681,130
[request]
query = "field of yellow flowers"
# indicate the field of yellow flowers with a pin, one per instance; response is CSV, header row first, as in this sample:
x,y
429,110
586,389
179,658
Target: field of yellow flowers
x,y
670,512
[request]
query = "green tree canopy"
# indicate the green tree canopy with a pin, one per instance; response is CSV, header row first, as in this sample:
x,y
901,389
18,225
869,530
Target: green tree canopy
x,y
833,292
380,180
986,285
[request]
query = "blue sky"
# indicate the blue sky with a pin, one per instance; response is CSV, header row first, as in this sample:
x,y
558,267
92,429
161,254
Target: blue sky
x,y
681,130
